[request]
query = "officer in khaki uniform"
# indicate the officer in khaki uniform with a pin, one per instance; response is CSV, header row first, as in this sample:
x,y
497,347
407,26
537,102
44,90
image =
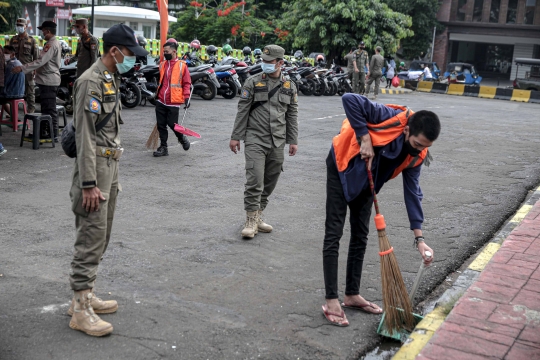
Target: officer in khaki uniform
x,y
95,176
266,121
350,57
375,74
26,50
87,47
361,61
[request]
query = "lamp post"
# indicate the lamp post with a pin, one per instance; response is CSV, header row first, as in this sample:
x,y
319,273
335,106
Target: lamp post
x,y
92,19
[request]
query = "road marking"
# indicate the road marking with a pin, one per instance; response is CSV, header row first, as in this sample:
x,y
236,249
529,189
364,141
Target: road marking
x,y
483,258
330,117
53,308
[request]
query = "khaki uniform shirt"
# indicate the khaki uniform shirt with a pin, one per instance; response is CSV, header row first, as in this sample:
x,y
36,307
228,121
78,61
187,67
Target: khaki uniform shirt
x,y
362,59
350,61
87,53
276,121
94,96
376,65
26,48
48,64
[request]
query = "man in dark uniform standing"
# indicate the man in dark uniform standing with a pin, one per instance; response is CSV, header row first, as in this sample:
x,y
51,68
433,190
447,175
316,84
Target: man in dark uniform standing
x,y
26,51
87,47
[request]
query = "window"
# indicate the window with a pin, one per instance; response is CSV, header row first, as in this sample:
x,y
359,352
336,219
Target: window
x,y
530,6
134,25
477,11
147,31
512,12
461,10
494,11
105,23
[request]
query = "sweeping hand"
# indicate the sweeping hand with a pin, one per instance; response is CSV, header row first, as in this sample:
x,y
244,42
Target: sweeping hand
x,y
235,146
422,248
366,149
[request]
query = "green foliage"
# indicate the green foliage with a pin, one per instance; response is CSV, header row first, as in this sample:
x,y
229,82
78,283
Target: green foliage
x,y
424,16
334,26
10,11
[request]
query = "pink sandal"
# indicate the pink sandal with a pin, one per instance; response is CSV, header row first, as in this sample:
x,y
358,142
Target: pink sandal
x,y
328,313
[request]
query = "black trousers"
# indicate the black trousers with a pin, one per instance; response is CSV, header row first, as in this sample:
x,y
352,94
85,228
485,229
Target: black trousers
x,y
166,116
47,95
336,211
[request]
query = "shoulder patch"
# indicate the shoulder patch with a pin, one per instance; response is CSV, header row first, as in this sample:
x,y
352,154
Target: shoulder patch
x,y
287,85
46,48
94,106
244,94
93,46
260,84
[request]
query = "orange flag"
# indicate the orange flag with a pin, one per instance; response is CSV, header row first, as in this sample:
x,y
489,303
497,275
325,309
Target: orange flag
x,y
163,8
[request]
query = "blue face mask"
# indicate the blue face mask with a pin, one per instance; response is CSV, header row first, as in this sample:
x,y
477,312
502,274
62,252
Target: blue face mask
x,y
127,64
268,68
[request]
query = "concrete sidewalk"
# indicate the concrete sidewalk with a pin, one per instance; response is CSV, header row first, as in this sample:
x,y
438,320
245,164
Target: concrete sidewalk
x,y
498,316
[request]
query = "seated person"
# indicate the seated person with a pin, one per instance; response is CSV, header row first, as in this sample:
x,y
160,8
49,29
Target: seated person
x,y
427,73
13,83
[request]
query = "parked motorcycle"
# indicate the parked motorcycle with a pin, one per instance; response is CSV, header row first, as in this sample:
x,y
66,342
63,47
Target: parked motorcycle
x,y
204,80
228,80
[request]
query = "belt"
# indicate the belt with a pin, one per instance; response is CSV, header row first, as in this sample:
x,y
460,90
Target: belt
x,y
110,153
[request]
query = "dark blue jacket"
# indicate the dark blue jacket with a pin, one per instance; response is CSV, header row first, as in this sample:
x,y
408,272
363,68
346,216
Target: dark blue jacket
x,y
13,83
359,111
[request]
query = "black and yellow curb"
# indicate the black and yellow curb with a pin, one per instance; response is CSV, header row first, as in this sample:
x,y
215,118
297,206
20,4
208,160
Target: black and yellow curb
x,y
486,92
425,330
395,91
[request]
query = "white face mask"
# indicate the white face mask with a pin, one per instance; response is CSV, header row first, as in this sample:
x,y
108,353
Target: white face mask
x,y
7,56
20,29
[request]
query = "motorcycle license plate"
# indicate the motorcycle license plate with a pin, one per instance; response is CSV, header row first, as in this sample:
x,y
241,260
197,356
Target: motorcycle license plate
x,y
235,76
298,77
142,80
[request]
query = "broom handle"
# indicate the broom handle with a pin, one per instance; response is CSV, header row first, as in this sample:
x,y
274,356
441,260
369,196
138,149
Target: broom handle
x,y
372,186
188,102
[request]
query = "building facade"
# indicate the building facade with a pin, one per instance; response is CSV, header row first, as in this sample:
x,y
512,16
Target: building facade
x,y
489,34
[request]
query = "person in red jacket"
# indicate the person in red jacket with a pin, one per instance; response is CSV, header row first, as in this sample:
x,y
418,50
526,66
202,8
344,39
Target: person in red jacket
x,y
173,91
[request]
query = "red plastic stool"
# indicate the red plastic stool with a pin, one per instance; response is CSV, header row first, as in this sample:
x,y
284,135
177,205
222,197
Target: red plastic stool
x,y
14,121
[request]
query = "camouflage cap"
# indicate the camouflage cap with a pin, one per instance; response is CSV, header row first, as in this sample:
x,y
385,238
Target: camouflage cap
x,y
21,21
271,52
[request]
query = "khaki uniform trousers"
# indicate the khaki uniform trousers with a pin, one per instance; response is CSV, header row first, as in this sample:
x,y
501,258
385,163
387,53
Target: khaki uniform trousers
x,y
359,82
377,79
93,230
263,167
29,92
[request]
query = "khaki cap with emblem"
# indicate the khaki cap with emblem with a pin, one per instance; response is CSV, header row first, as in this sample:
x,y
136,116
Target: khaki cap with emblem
x,y
21,21
80,22
271,52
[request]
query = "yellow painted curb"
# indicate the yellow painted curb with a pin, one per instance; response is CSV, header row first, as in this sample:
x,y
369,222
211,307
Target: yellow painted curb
x,y
483,258
423,332
520,215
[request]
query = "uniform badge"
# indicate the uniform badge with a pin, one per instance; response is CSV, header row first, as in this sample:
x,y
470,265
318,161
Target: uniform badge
x,y
266,51
287,85
260,84
93,46
244,94
109,90
46,48
95,106
107,75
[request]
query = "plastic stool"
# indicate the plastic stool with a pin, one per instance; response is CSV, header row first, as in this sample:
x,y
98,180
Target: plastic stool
x,y
61,109
36,119
14,121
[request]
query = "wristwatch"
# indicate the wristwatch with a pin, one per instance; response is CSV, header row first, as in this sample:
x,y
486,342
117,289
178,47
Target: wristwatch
x,y
417,240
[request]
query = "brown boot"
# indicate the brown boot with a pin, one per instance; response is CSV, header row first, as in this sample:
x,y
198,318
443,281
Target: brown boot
x,y
261,225
84,319
250,228
99,306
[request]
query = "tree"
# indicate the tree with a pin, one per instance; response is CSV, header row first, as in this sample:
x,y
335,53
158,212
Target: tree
x,y
424,19
9,12
334,26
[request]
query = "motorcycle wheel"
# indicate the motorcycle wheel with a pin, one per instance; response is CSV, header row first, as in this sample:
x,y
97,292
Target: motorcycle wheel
x,y
309,89
210,92
335,89
320,89
132,96
231,92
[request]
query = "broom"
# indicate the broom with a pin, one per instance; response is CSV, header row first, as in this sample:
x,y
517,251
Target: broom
x,y
153,139
396,302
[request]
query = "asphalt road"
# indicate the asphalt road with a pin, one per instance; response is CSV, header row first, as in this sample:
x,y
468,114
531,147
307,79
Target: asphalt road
x,y
189,287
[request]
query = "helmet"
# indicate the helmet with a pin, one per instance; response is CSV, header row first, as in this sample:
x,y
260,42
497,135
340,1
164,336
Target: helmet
x,y
257,52
227,49
195,44
172,40
299,54
141,40
211,50
320,57
246,50
402,64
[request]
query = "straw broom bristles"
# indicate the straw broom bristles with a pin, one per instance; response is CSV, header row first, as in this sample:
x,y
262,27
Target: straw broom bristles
x,y
153,139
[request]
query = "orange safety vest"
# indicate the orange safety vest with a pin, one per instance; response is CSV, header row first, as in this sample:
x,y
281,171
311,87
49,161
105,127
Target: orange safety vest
x,y
346,145
175,87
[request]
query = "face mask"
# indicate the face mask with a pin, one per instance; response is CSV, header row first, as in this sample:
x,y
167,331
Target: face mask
x,y
268,68
126,65
7,56
167,56
77,31
20,29
73,32
410,149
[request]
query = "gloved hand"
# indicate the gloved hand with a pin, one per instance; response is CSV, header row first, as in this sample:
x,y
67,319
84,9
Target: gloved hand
x,y
187,104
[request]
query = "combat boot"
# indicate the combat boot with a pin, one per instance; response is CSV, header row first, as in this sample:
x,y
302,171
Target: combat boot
x,y
84,319
99,306
250,228
161,151
261,225
184,141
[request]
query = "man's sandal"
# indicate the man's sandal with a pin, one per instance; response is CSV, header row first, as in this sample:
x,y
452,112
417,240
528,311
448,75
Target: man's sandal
x,y
327,315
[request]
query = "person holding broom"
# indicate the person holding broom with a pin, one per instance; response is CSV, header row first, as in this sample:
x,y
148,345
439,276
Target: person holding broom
x,y
390,140
173,91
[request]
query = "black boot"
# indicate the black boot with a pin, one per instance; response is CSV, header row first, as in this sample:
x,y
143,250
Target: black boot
x,y
184,141
161,151
55,132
